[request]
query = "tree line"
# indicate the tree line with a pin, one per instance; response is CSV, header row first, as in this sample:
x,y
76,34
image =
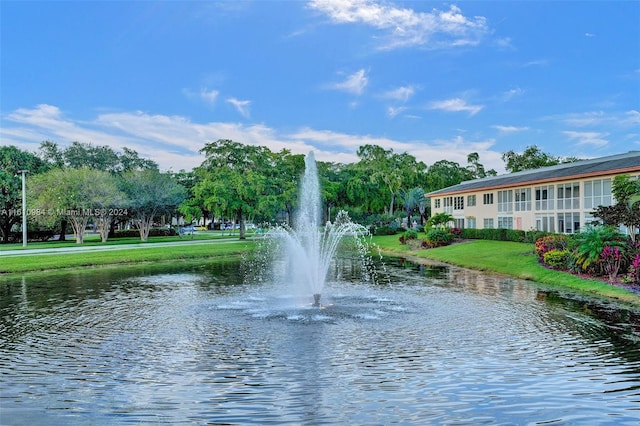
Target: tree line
x,y
86,184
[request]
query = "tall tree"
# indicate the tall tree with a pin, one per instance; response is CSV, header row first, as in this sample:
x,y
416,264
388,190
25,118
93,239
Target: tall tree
x,y
12,160
150,194
476,168
234,178
531,158
445,173
412,199
394,171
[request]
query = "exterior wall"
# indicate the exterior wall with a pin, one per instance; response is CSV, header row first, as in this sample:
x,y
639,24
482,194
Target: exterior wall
x,y
562,206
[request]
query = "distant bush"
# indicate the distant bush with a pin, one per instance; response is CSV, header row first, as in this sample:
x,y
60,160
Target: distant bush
x,y
39,236
383,230
155,232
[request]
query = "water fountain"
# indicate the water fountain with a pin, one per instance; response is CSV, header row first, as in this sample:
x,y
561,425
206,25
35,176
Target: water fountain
x,y
309,248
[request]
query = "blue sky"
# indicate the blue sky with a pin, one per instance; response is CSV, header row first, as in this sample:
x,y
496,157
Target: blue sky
x,y
437,80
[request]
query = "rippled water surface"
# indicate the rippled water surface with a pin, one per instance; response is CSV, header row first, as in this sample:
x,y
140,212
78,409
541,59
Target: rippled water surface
x,y
426,345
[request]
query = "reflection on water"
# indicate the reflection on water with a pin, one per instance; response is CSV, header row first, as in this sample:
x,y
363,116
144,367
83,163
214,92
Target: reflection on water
x,y
428,344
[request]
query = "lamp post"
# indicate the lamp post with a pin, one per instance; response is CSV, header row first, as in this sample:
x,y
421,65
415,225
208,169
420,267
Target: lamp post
x,y
24,207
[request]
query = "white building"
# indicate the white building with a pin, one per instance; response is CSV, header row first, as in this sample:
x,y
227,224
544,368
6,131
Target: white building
x,y
553,199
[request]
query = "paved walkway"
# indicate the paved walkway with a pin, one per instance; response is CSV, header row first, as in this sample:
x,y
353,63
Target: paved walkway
x,y
85,248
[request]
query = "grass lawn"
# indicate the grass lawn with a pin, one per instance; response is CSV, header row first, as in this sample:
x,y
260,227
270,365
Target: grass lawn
x,y
94,240
122,256
514,259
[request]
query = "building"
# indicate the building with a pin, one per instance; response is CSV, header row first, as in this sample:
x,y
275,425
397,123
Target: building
x,y
554,199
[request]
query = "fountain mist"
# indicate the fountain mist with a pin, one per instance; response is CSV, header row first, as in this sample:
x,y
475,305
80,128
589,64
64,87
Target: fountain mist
x,y
308,249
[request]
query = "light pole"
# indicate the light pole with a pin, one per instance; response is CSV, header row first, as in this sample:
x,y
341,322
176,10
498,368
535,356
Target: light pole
x,y
24,207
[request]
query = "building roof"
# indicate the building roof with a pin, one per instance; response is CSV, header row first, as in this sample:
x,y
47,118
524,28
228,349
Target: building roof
x,y
614,164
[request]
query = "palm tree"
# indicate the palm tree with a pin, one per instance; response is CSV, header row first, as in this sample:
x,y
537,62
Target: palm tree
x,y
412,200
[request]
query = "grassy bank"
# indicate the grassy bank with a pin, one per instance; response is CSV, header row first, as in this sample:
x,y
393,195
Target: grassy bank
x,y
122,255
508,258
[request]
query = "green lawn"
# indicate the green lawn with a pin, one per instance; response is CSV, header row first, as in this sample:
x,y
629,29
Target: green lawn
x,y
514,259
94,240
122,256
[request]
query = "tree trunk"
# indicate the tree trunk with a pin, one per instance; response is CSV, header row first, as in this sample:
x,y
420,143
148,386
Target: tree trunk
x,y
63,230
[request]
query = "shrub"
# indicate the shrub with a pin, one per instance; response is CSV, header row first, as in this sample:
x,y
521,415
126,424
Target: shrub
x,y
408,235
456,232
438,237
592,241
385,230
550,242
557,259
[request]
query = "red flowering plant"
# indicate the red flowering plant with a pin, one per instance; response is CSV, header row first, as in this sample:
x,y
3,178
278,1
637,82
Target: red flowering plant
x,y
611,259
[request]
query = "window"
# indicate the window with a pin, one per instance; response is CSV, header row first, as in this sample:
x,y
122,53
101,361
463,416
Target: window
x,y
447,203
487,198
471,200
436,203
544,197
545,222
597,193
505,201
523,199
487,223
505,222
568,196
471,222
569,222
458,203
459,223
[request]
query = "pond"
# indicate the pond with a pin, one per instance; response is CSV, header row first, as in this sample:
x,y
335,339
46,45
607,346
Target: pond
x,y
424,345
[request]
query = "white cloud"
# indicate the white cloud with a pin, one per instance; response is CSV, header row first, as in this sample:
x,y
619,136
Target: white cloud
x,y
511,93
407,27
509,129
393,111
241,106
401,94
455,105
174,141
354,83
588,138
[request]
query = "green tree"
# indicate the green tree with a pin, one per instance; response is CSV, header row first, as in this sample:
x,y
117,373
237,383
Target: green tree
x,y
445,173
412,200
76,195
531,158
12,160
150,194
393,171
476,168
235,178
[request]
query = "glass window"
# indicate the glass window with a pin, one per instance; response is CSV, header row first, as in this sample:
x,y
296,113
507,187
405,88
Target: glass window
x,y
505,201
568,196
471,200
523,199
487,198
487,223
597,193
544,197
436,203
505,222
458,203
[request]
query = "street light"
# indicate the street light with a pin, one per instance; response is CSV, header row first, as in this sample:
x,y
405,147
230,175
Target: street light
x,y
24,208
